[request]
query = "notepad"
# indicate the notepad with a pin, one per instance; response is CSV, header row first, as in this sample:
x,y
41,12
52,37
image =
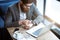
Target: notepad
x,y
19,36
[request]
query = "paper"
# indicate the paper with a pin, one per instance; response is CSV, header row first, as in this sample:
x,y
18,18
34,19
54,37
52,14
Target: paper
x,y
19,36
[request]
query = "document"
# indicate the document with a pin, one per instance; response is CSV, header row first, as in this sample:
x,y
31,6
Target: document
x,y
19,36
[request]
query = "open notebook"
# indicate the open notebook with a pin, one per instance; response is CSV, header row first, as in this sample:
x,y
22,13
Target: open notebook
x,y
38,30
19,36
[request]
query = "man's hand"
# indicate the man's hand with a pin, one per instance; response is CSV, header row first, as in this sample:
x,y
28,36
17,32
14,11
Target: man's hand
x,y
25,23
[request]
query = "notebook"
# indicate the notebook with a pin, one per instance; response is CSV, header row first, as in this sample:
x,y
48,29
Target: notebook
x,y
38,30
19,36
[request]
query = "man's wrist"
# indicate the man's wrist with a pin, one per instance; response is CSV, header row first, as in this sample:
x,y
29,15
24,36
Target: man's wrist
x,y
34,23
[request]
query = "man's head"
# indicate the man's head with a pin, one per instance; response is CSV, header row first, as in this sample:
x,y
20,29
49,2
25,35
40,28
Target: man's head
x,y
27,1
26,4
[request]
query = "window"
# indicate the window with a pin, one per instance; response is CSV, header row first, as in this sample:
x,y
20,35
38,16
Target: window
x,y
53,10
40,5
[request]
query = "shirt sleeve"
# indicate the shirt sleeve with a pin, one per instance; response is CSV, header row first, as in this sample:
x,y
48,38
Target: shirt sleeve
x,y
39,17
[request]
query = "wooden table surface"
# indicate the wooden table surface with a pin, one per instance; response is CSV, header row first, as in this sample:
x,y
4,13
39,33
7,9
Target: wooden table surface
x,y
47,36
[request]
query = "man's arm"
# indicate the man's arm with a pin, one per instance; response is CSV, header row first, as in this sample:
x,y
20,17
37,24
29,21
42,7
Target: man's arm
x,y
9,21
39,17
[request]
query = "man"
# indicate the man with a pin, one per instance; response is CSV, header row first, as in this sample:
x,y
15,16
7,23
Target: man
x,y
26,8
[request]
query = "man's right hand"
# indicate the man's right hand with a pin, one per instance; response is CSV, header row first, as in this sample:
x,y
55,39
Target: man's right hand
x,y
20,22
25,23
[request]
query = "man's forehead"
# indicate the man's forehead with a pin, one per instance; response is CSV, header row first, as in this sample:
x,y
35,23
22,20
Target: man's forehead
x,y
27,1
30,1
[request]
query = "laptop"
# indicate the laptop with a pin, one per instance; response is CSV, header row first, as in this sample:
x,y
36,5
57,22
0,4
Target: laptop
x,y
38,30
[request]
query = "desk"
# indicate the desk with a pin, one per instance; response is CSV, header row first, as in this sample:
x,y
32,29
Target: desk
x,y
47,36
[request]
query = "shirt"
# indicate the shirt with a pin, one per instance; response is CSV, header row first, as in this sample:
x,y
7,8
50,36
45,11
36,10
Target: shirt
x,y
22,15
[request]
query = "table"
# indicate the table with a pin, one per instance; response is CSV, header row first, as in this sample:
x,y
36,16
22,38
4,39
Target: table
x,y
47,36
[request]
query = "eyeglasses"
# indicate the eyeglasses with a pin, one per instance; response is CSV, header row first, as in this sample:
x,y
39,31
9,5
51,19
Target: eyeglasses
x,y
29,4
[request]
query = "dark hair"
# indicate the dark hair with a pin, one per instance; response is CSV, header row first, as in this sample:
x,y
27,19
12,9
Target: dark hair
x,y
23,4
27,1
